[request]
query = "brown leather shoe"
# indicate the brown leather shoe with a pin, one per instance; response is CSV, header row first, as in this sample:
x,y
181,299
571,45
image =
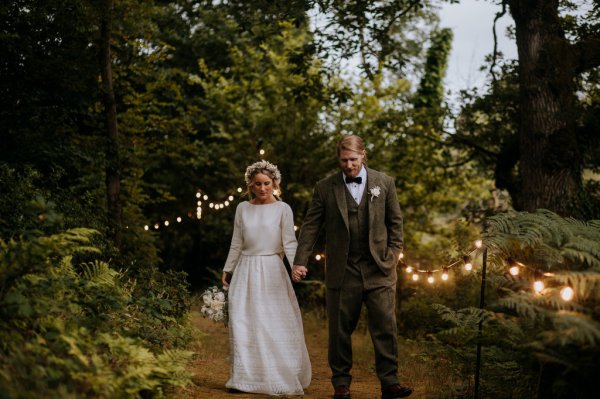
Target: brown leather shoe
x,y
342,392
395,391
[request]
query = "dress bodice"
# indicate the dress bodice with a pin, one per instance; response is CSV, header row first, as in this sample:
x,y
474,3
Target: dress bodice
x,y
261,230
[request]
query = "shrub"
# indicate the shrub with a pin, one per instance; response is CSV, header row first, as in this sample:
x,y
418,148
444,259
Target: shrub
x,y
85,330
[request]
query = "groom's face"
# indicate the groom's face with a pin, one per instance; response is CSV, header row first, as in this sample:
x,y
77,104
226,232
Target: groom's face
x,y
351,162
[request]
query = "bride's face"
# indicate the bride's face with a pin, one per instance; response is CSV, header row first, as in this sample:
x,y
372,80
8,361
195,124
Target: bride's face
x,y
262,187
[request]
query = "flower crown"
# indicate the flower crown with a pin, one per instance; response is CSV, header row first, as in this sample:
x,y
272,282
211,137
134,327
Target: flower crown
x,y
262,165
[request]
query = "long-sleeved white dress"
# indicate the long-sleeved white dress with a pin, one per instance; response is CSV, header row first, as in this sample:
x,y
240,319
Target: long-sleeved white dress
x,y
268,351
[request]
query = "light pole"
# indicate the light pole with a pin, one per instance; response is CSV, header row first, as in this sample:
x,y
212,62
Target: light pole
x,y
480,329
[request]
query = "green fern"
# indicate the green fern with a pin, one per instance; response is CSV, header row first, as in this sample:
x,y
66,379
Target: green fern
x,y
71,331
535,328
99,273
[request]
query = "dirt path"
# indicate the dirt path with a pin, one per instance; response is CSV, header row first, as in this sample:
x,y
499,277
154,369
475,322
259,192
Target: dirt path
x,y
211,368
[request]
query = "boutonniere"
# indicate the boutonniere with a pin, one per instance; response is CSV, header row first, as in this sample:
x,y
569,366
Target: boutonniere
x,y
375,191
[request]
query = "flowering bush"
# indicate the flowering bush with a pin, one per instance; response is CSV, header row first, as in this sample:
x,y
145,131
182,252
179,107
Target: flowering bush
x,y
215,304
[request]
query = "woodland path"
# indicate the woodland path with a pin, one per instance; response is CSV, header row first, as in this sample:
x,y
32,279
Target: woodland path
x,y
210,367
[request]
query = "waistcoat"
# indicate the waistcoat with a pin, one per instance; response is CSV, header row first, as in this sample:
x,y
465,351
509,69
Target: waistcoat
x,y
358,224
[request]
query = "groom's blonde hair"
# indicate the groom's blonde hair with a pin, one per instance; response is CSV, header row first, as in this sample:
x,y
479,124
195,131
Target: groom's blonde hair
x,y
352,143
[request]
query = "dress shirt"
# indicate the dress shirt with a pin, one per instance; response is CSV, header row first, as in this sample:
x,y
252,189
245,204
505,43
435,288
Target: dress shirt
x,y
357,190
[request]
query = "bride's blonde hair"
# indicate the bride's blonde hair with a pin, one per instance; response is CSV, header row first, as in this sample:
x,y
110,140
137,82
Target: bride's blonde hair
x,y
267,169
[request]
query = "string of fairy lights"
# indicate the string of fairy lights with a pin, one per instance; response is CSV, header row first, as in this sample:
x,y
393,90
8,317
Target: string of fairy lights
x,y
202,199
515,268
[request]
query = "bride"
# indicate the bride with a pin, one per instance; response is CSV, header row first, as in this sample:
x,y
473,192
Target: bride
x,y
268,351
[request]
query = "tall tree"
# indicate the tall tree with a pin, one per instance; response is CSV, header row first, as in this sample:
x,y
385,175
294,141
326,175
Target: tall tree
x,y
113,182
551,152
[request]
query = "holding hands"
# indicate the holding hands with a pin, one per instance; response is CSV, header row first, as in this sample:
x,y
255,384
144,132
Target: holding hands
x,y
298,273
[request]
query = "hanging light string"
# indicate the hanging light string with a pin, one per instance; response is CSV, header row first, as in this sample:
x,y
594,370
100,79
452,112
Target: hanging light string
x,y
202,196
566,293
466,260
202,200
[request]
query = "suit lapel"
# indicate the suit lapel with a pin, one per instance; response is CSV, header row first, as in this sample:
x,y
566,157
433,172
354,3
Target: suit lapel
x,y
372,181
340,198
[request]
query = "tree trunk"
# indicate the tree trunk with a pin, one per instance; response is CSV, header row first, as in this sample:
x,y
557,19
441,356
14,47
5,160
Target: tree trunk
x,y
113,183
550,161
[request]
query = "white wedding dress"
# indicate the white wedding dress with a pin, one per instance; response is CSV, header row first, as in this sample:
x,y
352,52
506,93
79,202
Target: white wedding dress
x,y
268,351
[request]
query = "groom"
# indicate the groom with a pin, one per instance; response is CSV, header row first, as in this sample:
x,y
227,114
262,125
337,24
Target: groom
x,y
363,224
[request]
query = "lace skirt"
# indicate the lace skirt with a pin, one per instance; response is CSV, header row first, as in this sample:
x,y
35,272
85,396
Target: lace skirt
x,y
268,352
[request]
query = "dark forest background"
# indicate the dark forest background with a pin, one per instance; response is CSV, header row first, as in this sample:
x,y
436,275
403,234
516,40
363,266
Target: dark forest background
x,y
126,127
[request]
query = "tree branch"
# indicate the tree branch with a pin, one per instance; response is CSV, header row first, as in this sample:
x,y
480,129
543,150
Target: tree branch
x,y
587,53
495,53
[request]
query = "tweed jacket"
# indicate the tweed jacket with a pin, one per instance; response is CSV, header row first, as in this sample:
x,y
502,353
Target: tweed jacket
x,y
328,210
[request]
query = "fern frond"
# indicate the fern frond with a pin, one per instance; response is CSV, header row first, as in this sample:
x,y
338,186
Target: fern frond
x,y
585,284
99,273
522,305
545,238
573,328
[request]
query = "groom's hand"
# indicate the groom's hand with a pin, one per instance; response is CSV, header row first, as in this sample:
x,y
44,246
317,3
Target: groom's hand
x,y
298,273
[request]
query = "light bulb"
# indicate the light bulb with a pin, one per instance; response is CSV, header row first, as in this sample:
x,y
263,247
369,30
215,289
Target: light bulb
x,y
538,286
178,219
156,226
318,257
226,203
445,276
166,222
415,277
261,152
468,264
478,243
401,255
199,203
567,293
146,227
230,198
430,279
409,269
211,205
239,190
205,197
198,195
514,270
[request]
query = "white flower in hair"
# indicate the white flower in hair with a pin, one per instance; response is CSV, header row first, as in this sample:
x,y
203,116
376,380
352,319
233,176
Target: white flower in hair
x,y
262,165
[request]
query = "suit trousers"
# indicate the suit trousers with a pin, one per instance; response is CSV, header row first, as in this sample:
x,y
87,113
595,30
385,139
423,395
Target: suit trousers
x,y
344,306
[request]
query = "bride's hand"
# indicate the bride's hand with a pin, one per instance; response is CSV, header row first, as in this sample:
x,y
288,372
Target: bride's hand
x,y
225,279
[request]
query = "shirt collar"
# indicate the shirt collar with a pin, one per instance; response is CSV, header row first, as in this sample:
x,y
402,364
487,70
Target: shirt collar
x,y
362,173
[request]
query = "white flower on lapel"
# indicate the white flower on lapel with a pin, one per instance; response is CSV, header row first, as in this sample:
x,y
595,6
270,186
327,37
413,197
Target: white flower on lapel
x,y
375,191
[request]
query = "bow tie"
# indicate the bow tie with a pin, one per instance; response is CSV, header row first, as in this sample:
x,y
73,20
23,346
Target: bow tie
x,y
356,179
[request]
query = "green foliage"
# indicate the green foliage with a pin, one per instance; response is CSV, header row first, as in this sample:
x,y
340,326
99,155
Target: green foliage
x,y
431,90
388,35
545,241
72,330
541,337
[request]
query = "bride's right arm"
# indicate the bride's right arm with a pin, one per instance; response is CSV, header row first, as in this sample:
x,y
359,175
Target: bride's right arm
x,y
235,249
